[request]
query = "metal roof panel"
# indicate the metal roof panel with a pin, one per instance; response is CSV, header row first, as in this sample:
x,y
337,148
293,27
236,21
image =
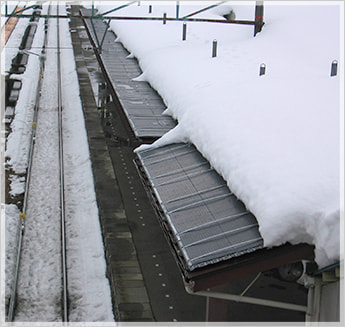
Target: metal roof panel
x,y
206,220
141,104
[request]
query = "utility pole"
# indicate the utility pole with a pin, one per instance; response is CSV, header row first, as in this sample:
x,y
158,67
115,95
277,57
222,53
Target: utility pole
x,y
259,16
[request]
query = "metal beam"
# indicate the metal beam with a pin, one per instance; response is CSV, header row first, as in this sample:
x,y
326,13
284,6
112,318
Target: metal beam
x,y
105,32
115,9
251,300
246,265
240,22
20,11
202,10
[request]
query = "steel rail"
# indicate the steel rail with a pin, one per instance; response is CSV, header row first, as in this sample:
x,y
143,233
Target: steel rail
x,y
12,300
62,182
22,216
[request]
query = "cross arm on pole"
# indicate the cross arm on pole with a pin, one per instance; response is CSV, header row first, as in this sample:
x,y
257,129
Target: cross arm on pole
x,y
117,8
20,11
203,9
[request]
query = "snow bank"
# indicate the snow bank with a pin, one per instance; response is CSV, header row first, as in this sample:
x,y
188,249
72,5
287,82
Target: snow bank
x,y
274,138
18,142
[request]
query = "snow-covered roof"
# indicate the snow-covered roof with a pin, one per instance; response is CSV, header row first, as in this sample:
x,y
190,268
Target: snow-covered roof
x,y
274,138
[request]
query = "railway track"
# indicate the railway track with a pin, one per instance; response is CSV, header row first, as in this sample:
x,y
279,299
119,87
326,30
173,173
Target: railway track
x,y
30,271
62,180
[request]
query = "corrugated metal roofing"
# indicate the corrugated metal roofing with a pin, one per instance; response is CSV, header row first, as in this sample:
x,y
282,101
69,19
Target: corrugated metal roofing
x,y
206,220
141,104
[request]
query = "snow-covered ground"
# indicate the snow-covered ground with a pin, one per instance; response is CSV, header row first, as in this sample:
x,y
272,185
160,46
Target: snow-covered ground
x,y
276,138
39,277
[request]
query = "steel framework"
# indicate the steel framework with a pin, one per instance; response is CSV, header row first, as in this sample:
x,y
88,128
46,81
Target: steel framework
x,y
257,22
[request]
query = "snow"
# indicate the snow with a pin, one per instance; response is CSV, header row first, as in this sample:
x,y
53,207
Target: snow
x,y
86,247
39,278
274,138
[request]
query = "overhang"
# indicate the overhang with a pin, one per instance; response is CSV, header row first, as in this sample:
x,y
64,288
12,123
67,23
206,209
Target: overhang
x,y
214,238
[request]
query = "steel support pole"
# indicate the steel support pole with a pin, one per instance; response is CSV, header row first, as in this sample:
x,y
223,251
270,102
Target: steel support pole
x,y
184,32
214,48
105,32
217,309
259,17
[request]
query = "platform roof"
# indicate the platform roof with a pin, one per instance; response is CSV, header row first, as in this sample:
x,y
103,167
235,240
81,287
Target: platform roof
x,y
141,104
207,222
214,238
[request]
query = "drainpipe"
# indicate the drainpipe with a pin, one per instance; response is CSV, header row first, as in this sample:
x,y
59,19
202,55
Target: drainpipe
x,y
314,298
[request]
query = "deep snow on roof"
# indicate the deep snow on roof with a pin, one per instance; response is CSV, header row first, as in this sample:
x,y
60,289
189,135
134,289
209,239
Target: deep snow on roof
x,y
275,138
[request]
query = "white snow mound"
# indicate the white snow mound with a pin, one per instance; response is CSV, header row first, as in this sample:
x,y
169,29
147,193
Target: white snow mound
x,y
274,138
